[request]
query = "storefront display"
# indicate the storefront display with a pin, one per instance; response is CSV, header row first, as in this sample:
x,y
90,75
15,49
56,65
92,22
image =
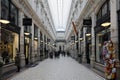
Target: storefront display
x,y
110,62
102,32
9,43
101,37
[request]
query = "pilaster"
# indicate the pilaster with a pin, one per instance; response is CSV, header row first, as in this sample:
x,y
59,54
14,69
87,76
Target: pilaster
x,y
84,44
0,29
114,29
43,47
33,54
92,57
114,26
21,15
38,43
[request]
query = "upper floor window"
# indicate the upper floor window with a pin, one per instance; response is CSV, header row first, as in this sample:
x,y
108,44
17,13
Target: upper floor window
x,y
5,9
14,14
9,11
105,9
35,31
99,15
118,4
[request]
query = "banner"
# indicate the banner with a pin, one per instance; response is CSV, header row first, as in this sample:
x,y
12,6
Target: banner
x,y
74,27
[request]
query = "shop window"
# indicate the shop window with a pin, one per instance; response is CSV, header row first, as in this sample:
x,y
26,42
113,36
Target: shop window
x,y
99,15
5,9
8,45
14,14
9,11
104,9
101,37
109,6
118,4
35,31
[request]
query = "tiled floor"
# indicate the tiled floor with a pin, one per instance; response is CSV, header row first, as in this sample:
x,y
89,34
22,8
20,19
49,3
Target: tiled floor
x,y
64,68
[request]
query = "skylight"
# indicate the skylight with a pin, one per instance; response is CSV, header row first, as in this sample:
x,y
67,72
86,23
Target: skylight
x,y
60,11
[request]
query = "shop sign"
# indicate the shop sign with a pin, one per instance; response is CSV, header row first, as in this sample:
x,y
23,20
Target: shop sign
x,y
13,28
87,22
27,21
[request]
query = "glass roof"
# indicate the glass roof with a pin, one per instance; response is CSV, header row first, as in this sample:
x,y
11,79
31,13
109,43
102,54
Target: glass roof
x,y
60,11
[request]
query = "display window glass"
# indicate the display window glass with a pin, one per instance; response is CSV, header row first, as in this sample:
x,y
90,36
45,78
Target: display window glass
x,y
9,44
14,14
101,37
5,9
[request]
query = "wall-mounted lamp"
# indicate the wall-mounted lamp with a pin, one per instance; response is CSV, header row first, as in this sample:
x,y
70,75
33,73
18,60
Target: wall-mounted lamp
x,y
99,34
106,24
76,41
27,33
36,38
80,39
88,34
4,21
41,41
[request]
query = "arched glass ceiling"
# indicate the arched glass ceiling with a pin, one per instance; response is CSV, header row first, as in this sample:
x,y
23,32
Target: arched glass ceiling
x,y
60,11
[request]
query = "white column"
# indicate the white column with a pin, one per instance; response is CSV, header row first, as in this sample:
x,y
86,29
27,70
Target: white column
x,y
43,47
39,43
84,45
92,57
114,25
21,16
32,54
0,29
114,30
79,41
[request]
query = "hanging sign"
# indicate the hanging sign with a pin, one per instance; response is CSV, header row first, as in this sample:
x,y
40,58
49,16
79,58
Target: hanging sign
x,y
87,22
27,21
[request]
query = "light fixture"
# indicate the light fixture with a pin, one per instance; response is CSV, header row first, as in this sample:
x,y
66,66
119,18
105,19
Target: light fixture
x,y
99,34
35,38
4,21
27,33
76,41
88,34
41,41
80,39
106,24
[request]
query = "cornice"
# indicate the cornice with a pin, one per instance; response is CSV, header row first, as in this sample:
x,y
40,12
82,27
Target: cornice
x,y
26,8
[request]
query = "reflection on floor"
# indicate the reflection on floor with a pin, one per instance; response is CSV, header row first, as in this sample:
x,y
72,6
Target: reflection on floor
x,y
64,68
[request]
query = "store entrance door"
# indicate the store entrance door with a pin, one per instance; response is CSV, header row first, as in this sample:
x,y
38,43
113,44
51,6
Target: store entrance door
x,y
119,32
26,54
88,53
27,50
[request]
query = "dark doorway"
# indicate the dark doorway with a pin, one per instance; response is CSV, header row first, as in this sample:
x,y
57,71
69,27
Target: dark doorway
x,y
88,52
119,32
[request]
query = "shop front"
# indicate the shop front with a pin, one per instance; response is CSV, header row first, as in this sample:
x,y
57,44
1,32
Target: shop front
x,y
41,46
27,48
36,43
118,13
9,43
9,32
88,44
102,33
